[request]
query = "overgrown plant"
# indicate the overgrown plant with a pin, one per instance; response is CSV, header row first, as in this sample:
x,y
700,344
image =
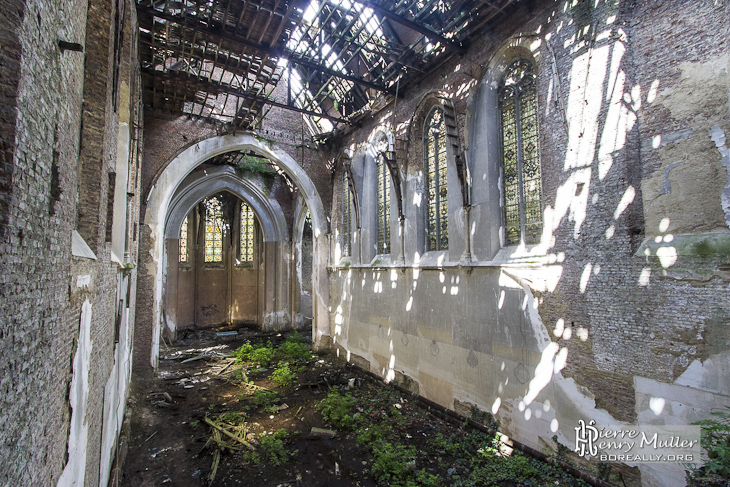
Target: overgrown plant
x,y
394,463
294,348
271,450
284,375
715,440
337,410
260,354
262,400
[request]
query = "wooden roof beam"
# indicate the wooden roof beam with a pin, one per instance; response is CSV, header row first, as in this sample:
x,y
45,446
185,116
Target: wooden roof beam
x,y
449,44
213,33
212,87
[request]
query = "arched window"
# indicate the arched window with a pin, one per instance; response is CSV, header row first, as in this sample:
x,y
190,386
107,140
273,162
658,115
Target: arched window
x,y
383,204
346,216
437,217
213,230
247,233
184,241
520,155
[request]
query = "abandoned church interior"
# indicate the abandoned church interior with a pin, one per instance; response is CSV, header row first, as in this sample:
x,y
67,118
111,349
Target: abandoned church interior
x,y
520,206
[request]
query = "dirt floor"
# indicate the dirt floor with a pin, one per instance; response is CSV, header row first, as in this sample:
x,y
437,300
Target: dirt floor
x,y
208,419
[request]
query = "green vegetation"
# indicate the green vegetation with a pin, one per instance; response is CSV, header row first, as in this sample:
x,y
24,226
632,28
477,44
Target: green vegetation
x,y
393,464
261,400
338,410
271,450
284,376
715,440
232,417
256,165
259,354
294,348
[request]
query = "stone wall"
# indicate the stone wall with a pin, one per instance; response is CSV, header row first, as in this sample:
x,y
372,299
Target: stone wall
x,y
625,299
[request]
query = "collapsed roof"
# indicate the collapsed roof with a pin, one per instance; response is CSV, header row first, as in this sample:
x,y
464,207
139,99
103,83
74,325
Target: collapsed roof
x,y
333,60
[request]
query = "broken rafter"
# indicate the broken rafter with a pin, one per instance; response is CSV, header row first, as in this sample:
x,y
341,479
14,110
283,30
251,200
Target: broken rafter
x,y
421,29
217,88
214,34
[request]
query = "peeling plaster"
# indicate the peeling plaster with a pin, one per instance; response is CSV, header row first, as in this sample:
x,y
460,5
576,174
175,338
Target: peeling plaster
x,y
718,137
75,470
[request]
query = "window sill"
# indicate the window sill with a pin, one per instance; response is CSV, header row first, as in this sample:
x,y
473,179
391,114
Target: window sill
x,y
522,254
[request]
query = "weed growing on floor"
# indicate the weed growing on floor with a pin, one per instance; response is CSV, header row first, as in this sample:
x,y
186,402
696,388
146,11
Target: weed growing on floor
x,y
261,354
393,463
338,410
285,375
294,348
271,450
232,417
261,400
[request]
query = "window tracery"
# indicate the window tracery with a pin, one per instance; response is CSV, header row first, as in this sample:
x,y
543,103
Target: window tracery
x,y
383,204
214,227
247,233
184,241
346,216
520,155
437,227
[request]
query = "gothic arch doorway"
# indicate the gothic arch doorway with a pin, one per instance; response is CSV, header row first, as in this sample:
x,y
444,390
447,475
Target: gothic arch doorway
x,y
179,188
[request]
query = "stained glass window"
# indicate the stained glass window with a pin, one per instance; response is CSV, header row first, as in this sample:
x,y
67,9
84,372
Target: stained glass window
x,y
184,241
520,155
383,205
213,230
437,218
247,233
346,216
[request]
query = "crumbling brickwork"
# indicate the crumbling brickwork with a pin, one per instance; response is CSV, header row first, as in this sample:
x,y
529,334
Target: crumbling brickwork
x,y
47,90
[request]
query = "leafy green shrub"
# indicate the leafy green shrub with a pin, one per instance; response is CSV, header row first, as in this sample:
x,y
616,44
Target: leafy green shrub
x,y
295,348
261,357
337,410
374,433
271,450
715,440
393,463
284,376
260,354
261,400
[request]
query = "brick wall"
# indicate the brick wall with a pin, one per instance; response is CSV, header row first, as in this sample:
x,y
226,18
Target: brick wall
x,y
46,93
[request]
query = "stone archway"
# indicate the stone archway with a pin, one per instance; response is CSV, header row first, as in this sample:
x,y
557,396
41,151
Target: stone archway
x,y
160,209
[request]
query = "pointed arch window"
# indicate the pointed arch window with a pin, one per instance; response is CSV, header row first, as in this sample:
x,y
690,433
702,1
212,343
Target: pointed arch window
x,y
247,233
383,205
184,241
346,216
520,155
437,218
214,226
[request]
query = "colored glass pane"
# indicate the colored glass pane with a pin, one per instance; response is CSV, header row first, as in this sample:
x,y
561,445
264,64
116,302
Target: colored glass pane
x,y
383,205
247,233
437,230
346,216
520,155
213,230
184,241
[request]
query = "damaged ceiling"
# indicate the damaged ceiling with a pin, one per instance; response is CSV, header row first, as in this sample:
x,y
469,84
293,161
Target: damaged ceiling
x,y
335,61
